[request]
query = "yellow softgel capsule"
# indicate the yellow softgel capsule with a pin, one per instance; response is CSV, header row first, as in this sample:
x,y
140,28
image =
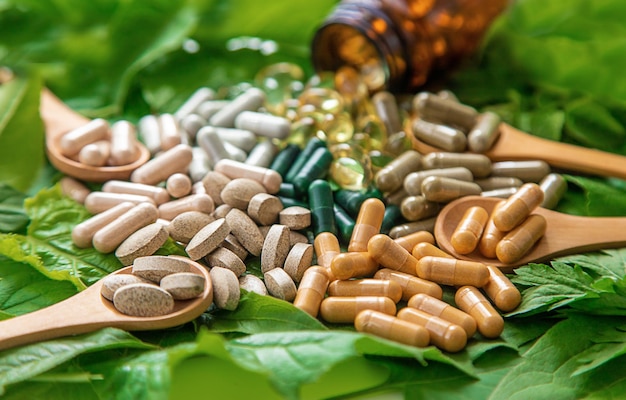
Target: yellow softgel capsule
x,y
410,284
312,290
443,334
343,310
390,254
411,240
489,323
422,250
517,207
453,272
367,224
520,240
445,311
392,328
353,265
469,230
366,287
502,292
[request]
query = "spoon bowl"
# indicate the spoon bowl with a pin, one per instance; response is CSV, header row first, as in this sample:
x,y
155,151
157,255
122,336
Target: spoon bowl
x,y
88,311
565,234
515,145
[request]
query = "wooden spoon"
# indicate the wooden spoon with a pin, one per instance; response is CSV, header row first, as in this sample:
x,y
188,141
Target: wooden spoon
x,y
565,234
88,311
515,145
58,119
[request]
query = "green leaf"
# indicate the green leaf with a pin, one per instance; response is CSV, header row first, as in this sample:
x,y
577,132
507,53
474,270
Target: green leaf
x,y
602,197
592,125
13,218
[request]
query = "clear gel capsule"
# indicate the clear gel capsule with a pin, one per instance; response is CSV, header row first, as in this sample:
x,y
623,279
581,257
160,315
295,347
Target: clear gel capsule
x,y
368,223
392,328
485,133
489,323
413,181
431,107
441,309
410,284
343,310
527,171
391,255
443,334
478,164
554,187
467,234
502,291
452,272
517,207
441,136
520,240
415,208
391,177
441,189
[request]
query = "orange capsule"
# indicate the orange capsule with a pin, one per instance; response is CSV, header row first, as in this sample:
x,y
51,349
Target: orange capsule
x,y
367,224
392,328
409,241
443,334
445,311
366,287
342,310
326,247
353,265
501,290
410,284
312,290
469,230
517,207
469,299
390,254
491,236
422,250
453,272
520,240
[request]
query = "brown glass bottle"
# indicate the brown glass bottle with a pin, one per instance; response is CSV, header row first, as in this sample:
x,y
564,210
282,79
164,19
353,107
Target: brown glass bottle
x,y
398,44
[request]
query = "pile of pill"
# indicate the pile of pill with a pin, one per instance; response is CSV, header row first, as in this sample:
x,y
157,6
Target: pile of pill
x,y
153,286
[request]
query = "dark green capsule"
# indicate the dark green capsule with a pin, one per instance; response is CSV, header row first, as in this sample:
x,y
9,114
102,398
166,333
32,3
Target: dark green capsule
x,y
351,200
345,223
392,217
316,167
284,159
287,190
321,206
306,153
290,201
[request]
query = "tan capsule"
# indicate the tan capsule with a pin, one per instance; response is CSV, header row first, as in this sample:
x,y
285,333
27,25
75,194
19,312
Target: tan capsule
x,y
453,272
97,202
554,187
422,250
501,290
239,191
95,154
443,137
390,254
517,207
194,202
401,230
432,107
520,240
326,246
312,290
443,334
391,176
485,133
478,164
469,299
396,197
113,234
269,178
343,310
178,185
366,287
367,224
442,189
443,310
169,162
392,328
83,233
413,181
74,189
409,242
123,143
527,170
170,131
353,265
498,182
491,236
410,284
469,230
158,194
415,208
74,140
148,130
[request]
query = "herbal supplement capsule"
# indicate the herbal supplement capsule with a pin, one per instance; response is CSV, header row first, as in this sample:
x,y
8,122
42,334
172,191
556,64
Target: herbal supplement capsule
x,y
392,328
252,283
295,217
279,284
326,248
353,265
263,208
262,124
270,179
291,202
207,239
503,193
434,108
285,159
527,171
410,284
222,257
366,287
368,223
484,134
410,227
390,254
478,164
262,154
414,208
517,207
502,292
208,108
214,183
191,105
106,239
453,272
441,189
287,190
351,200
226,293
443,334
212,144
387,109
275,247
498,182
491,236
520,240
443,310
191,124
178,185
343,310
554,187
240,138
390,177
95,154
162,166
158,194
396,197
74,189
306,153
421,250
469,299
409,241
97,202
149,131
390,218
74,140
314,168
245,230
83,233
184,226
413,181
469,230
441,136
312,290
345,223
170,131
447,95
321,206
250,100
123,143
193,202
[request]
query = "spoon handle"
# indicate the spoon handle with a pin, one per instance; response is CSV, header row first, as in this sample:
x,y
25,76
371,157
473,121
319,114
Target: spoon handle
x,y
578,234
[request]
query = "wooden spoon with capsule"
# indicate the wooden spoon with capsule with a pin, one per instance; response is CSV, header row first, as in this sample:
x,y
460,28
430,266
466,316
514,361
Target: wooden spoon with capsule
x,y
565,234
88,311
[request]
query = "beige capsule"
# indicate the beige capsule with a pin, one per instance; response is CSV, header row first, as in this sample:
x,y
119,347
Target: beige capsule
x,y
415,208
366,287
169,162
226,293
113,234
312,290
409,242
392,328
396,197
74,140
178,185
246,231
144,242
148,130
239,191
443,334
485,133
183,285
154,268
74,189
270,179
207,239
298,260
413,181
275,248
367,224
280,285
251,100
516,208
326,246
262,154
392,175
156,193
443,310
97,202
489,323
185,225
222,257
198,167
343,310
453,272
554,187
95,154
502,291
170,131
239,138
83,233
520,240
123,143
478,164
192,103
491,236
443,137
442,189
410,284
194,202
143,300
527,170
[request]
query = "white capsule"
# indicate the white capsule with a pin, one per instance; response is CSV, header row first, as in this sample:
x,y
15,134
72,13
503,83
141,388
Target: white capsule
x,y
208,108
170,131
123,143
262,154
262,124
191,105
74,140
95,154
241,138
212,144
199,165
149,132
191,124
250,100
